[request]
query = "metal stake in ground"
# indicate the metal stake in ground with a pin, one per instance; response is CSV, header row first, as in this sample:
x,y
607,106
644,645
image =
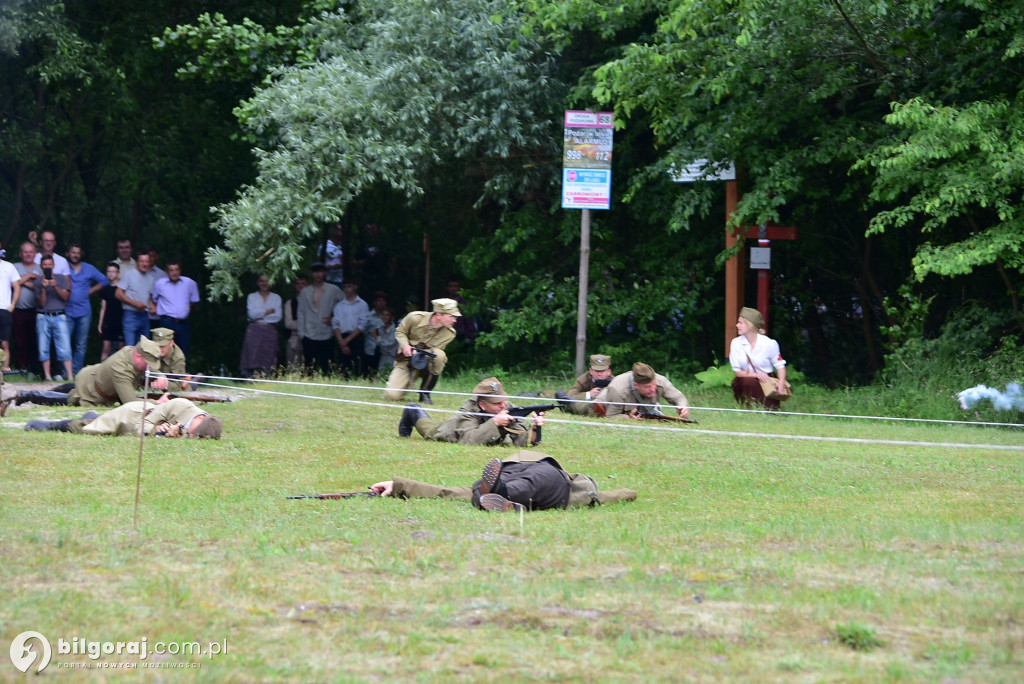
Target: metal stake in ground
x,y
142,441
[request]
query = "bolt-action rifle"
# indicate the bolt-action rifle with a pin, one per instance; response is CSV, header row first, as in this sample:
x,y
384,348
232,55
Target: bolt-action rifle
x,y
340,495
204,398
648,414
518,412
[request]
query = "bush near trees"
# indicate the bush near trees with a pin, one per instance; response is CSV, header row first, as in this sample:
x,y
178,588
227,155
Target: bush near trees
x,y
887,132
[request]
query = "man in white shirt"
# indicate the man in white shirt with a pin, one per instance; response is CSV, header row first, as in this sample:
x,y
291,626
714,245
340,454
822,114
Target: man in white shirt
x,y
10,290
348,319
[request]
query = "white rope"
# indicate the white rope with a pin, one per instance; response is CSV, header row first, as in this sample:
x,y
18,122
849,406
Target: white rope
x,y
548,400
606,424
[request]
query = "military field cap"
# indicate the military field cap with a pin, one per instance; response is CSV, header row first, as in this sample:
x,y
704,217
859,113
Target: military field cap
x,y
446,306
162,336
149,349
643,373
491,391
318,266
754,317
600,362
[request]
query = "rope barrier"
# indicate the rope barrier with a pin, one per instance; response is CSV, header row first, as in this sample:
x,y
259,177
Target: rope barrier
x,y
614,424
535,398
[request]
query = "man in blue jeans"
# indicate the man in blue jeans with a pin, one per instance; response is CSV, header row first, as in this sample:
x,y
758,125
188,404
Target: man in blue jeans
x,y
86,280
52,293
133,291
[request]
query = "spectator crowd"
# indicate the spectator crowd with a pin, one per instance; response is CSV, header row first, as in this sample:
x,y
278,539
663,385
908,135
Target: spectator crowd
x,y
51,304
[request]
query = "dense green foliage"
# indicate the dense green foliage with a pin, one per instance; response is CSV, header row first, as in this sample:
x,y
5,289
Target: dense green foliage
x,y
887,132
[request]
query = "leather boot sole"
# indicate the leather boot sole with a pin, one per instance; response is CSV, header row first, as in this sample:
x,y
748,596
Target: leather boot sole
x,y
490,476
496,502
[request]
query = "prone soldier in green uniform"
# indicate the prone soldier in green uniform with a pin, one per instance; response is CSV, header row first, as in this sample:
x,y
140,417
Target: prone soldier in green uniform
x,y
174,418
424,331
482,419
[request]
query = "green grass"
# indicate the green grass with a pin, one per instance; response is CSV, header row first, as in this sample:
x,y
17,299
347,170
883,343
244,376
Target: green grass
x,y
745,558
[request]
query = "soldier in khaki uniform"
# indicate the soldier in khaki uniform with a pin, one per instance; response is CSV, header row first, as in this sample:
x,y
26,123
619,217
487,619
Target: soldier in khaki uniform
x,y
175,418
525,480
639,386
114,380
431,331
172,359
578,399
482,419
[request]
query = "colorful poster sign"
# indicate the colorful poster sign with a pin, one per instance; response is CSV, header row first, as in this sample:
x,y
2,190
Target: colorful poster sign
x,y
587,160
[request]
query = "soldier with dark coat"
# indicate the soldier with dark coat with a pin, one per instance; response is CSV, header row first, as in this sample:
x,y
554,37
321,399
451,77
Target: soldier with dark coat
x,y
482,419
175,418
525,480
424,330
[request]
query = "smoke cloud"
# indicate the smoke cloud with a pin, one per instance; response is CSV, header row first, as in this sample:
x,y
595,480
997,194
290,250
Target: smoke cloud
x,y
1001,401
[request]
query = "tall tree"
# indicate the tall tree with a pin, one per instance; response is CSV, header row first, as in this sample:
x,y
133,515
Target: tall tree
x,y
415,97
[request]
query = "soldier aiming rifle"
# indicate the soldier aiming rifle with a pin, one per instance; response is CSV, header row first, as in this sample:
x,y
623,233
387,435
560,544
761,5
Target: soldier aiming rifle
x,y
485,418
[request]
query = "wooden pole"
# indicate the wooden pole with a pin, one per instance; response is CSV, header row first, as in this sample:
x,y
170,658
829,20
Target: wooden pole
x,y
735,268
584,286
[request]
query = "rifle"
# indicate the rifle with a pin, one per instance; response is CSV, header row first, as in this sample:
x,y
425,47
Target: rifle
x,y
204,398
341,495
523,411
518,412
419,359
661,416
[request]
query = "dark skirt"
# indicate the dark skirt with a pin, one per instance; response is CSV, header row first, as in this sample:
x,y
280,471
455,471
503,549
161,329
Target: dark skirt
x,y
260,348
748,391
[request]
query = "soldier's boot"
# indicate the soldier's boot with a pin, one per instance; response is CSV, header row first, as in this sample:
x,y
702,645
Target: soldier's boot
x,y
43,425
411,414
489,480
428,383
564,401
496,502
45,397
65,425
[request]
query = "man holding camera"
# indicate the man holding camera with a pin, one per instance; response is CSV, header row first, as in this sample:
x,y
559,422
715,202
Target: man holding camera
x,y
422,330
52,293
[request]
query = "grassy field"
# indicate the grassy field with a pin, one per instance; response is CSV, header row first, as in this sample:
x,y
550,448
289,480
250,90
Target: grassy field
x,y
759,559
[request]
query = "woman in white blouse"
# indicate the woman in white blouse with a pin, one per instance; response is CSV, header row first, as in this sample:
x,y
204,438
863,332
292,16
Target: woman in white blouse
x,y
753,356
261,346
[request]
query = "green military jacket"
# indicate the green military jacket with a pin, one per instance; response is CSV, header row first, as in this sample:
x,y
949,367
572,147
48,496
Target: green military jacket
x,y
466,428
127,418
174,364
584,384
583,489
114,380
